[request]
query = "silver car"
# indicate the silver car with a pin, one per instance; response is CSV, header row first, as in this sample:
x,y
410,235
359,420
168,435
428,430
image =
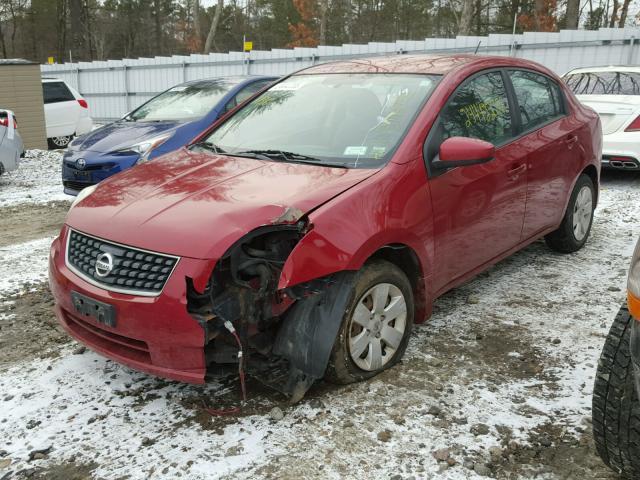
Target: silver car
x,y
11,147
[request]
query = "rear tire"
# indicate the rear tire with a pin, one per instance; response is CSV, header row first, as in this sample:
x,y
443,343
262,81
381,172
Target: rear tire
x,y
615,408
377,323
576,224
57,143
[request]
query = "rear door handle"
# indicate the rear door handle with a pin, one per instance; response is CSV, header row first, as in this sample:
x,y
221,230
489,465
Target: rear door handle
x,y
571,140
514,172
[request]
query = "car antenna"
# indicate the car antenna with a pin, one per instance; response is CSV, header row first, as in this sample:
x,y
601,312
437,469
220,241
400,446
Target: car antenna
x,y
477,47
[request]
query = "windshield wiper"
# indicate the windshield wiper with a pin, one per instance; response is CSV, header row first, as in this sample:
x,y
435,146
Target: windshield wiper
x,y
212,147
272,154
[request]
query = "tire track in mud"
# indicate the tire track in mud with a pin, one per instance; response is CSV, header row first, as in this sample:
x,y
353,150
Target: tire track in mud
x,y
25,222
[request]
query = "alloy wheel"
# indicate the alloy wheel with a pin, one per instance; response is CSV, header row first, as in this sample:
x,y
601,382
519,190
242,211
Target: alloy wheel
x,y
582,211
61,142
377,326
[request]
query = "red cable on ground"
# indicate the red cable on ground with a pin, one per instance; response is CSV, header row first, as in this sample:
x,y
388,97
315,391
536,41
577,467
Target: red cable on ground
x,y
240,366
234,410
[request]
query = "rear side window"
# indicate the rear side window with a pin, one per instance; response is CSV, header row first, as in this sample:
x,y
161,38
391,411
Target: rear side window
x,y
539,98
55,92
478,109
604,83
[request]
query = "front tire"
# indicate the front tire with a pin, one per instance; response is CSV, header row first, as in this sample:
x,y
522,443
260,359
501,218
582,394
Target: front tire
x,y
576,224
376,326
615,409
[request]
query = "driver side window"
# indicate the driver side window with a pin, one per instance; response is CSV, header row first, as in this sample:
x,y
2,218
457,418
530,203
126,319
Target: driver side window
x,y
478,109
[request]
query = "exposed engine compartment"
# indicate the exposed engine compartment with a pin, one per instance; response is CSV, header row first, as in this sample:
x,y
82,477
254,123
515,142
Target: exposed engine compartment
x,y
243,290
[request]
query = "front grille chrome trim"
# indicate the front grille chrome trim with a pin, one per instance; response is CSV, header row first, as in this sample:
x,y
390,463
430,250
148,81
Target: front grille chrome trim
x,y
109,288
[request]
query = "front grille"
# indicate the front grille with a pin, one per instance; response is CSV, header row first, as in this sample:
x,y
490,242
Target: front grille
x,y
133,270
87,168
78,186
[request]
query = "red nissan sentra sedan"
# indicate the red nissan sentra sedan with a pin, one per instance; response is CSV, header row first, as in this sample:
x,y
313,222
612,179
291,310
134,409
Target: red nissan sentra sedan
x,y
314,225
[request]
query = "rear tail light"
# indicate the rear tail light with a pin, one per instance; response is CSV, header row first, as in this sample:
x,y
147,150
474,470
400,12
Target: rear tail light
x,y
4,121
634,126
83,103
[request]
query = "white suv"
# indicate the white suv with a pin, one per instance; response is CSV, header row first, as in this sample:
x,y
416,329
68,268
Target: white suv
x,y
66,112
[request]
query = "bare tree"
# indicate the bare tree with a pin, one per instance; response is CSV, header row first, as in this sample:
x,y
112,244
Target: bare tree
x,y
466,18
214,26
196,21
61,27
623,13
614,14
77,30
4,47
572,18
324,8
157,26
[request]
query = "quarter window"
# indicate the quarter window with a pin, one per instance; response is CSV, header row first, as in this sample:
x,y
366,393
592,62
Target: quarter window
x,y
539,98
479,109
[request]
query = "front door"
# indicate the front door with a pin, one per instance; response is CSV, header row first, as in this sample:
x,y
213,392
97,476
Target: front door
x,y
479,209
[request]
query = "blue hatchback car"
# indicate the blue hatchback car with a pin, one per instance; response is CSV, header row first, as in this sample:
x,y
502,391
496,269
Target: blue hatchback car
x,y
163,124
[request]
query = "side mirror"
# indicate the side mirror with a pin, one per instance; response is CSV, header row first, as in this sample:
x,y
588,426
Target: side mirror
x,y
463,151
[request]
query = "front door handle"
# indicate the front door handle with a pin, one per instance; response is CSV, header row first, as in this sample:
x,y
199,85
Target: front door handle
x,y
515,172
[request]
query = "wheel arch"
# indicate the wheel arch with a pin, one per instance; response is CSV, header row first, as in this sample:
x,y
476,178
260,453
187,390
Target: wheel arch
x,y
592,172
406,259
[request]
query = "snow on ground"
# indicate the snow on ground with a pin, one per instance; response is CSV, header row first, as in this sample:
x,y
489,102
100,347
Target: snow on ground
x,y
38,179
23,264
500,377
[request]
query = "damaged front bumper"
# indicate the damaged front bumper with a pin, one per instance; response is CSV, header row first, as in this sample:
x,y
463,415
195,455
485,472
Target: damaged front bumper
x,y
152,334
183,333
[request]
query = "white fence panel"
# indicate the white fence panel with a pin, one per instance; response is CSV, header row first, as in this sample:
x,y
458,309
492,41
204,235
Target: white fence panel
x,y
115,87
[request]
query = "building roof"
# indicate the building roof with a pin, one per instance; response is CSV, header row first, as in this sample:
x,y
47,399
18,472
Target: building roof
x,y
15,61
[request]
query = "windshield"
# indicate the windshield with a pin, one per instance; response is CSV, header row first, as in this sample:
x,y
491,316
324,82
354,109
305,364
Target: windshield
x,y
351,120
604,83
183,102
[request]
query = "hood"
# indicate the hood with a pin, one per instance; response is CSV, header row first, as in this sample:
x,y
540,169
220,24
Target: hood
x,y
197,205
121,134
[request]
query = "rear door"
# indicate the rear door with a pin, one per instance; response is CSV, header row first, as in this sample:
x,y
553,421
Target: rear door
x,y
479,209
549,136
61,109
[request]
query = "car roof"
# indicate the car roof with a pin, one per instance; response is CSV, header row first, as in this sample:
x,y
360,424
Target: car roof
x,y
234,80
51,79
609,68
421,64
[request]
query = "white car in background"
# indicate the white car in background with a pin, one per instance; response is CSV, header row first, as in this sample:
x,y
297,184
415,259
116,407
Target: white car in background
x,y
613,92
66,113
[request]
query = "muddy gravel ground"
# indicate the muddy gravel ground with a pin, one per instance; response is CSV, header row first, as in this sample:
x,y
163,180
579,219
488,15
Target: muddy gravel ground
x,y
496,385
22,223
